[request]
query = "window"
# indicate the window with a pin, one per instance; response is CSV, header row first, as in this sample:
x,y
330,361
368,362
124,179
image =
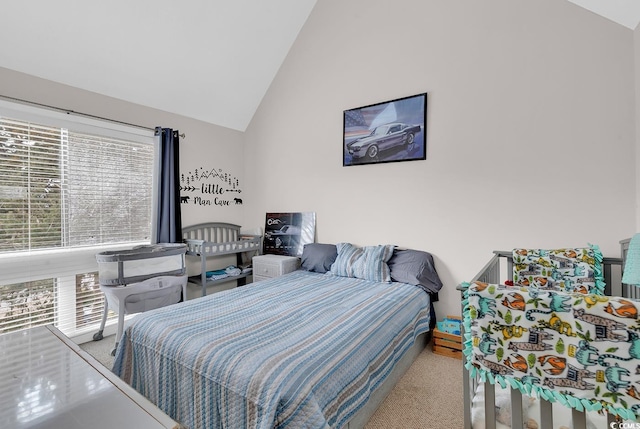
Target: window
x,y
64,189
89,301
26,305
68,190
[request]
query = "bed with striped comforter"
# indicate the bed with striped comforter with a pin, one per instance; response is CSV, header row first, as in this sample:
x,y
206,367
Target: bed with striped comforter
x,y
304,350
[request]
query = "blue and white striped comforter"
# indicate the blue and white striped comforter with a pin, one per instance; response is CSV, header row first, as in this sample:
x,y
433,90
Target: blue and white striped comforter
x,y
301,351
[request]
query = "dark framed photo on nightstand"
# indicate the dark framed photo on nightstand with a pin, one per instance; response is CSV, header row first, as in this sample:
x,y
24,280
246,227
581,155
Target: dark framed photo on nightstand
x,y
287,233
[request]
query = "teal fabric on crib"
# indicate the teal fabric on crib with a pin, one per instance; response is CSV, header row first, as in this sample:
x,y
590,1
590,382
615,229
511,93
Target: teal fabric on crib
x,y
631,275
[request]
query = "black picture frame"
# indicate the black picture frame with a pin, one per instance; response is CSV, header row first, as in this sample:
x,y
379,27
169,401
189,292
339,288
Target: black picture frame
x,y
287,233
391,131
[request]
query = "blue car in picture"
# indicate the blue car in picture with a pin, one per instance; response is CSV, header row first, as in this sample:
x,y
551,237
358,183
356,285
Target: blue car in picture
x,y
383,137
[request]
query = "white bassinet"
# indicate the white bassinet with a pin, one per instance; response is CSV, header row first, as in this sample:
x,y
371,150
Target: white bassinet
x,y
141,279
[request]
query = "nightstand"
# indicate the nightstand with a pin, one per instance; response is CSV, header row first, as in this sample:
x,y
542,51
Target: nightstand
x,y
270,266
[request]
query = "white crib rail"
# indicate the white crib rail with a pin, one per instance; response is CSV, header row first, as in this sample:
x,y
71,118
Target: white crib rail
x,y
500,267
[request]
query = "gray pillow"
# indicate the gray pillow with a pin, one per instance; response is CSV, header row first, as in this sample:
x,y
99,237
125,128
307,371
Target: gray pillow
x,y
318,257
416,268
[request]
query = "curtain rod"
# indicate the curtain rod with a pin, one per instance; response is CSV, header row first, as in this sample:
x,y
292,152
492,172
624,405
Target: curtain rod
x,y
73,112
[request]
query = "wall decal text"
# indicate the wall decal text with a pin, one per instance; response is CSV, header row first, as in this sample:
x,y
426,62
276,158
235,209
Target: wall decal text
x,y
209,187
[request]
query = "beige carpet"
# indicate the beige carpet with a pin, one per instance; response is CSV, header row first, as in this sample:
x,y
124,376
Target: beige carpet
x,y
428,396
101,350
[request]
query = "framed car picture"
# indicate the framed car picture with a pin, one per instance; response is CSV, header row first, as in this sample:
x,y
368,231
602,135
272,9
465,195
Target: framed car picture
x,y
287,233
391,131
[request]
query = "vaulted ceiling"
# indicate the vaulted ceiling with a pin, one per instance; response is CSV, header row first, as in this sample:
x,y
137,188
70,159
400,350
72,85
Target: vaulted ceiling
x,y
624,12
211,60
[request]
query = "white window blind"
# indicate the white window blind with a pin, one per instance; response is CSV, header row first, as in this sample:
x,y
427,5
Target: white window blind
x,y
66,193
64,189
30,176
27,305
110,196
89,301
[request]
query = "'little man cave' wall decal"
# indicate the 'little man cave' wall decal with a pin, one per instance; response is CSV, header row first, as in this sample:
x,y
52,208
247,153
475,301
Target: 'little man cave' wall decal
x,y
209,187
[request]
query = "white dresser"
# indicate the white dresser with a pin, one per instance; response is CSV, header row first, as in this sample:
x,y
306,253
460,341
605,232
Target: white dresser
x,y
270,266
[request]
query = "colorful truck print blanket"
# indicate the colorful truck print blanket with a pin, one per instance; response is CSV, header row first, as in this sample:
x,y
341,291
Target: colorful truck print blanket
x,y
582,350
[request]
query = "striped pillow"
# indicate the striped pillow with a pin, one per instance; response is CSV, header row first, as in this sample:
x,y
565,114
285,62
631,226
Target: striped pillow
x,y
368,263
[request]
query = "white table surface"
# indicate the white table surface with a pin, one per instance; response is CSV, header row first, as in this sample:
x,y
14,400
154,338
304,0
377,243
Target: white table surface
x,y
47,381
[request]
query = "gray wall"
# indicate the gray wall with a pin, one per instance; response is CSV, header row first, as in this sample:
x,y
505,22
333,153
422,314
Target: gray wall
x,y
531,129
205,146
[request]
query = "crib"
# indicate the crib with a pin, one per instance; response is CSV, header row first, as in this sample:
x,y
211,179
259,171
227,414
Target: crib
x,y
483,375
140,279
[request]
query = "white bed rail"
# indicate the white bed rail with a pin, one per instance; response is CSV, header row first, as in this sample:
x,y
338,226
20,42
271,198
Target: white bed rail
x,y
498,269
